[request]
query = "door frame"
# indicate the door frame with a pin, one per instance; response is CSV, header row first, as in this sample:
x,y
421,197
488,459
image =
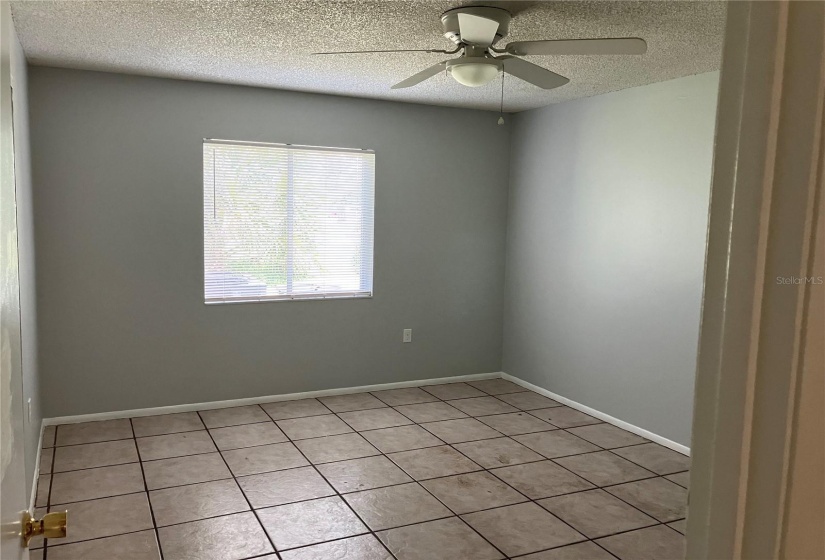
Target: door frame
x,y
14,475
765,201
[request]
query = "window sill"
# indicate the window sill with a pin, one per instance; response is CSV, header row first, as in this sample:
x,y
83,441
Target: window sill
x,y
278,299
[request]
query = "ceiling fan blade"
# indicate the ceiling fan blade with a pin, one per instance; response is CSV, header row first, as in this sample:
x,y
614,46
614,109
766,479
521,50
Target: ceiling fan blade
x,y
477,30
421,76
532,73
626,45
391,51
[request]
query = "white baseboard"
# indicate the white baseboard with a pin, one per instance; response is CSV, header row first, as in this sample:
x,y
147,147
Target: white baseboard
x,y
343,391
683,449
259,400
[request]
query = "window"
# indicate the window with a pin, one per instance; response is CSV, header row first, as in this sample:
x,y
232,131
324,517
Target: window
x,y
286,222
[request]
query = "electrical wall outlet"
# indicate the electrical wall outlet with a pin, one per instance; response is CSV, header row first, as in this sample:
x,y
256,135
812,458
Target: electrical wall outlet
x,y
407,335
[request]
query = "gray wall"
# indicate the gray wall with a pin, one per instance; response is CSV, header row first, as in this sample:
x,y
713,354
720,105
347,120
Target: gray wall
x,y
605,249
26,258
118,199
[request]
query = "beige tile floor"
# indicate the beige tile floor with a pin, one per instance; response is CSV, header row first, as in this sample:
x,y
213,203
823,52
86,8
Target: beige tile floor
x,y
475,471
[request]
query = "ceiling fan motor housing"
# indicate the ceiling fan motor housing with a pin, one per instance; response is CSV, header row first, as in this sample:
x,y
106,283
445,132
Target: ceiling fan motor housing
x,y
449,20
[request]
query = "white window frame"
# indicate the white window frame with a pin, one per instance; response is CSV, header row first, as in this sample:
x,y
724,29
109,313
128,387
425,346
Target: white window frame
x,y
367,238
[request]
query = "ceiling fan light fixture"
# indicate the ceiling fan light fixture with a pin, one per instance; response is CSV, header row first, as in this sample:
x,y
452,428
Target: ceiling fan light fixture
x,y
474,71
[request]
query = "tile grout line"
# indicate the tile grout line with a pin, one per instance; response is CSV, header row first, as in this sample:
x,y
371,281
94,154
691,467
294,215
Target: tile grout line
x,y
385,486
418,424
49,495
481,469
476,531
597,487
545,509
418,482
501,436
332,487
235,480
146,490
575,474
133,439
354,430
363,534
517,411
655,475
658,523
484,469
529,500
603,536
611,449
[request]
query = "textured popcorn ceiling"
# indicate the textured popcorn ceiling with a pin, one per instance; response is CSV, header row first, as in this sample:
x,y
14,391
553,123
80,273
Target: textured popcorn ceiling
x,y
268,43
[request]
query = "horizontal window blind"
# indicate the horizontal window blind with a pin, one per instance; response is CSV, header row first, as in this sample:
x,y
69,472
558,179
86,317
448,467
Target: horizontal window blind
x,y
286,222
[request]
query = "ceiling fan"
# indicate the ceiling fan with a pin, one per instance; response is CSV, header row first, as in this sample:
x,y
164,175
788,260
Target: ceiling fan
x,y
475,29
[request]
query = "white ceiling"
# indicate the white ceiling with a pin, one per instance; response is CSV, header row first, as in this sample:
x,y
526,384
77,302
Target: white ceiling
x,y
268,43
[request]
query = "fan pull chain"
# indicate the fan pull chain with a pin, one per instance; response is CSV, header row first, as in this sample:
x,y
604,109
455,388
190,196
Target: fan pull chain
x,y
501,107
